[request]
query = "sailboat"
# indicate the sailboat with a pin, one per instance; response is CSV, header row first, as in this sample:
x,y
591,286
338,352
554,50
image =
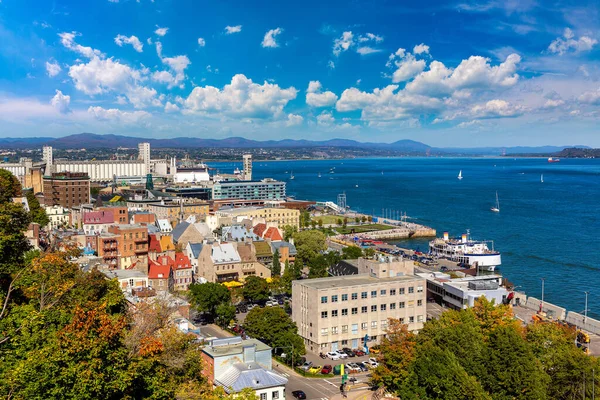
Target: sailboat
x,y
542,178
292,175
460,175
319,174
497,207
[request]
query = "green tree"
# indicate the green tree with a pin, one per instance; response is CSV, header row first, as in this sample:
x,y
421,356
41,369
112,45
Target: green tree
x,y
357,219
276,270
339,222
206,297
333,258
320,222
363,219
345,224
224,313
318,267
369,252
351,252
9,187
14,220
288,232
370,218
291,273
38,214
256,289
309,244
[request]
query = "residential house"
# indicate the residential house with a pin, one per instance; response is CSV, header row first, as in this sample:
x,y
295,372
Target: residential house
x,y
120,212
259,229
249,264
129,279
185,232
237,233
263,252
235,364
132,244
287,252
164,225
96,222
182,272
219,262
192,250
107,247
272,234
160,274
58,217
143,218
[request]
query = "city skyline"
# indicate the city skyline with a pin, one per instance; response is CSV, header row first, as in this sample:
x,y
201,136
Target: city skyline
x,y
469,74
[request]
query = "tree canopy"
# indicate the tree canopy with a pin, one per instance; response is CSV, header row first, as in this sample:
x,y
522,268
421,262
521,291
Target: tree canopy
x,y
206,297
309,244
276,269
256,289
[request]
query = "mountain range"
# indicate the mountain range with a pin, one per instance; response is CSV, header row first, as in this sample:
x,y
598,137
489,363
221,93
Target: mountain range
x,y
95,141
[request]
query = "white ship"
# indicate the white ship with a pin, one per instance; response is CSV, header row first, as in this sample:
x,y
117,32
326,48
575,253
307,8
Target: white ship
x,y
464,250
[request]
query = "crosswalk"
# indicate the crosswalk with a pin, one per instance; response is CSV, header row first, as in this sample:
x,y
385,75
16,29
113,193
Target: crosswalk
x,y
284,374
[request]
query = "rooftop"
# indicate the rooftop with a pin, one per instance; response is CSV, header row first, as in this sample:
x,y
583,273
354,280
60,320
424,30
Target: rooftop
x,y
124,273
249,375
232,346
352,280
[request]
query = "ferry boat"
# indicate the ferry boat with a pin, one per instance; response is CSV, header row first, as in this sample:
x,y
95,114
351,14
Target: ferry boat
x,y
464,250
550,159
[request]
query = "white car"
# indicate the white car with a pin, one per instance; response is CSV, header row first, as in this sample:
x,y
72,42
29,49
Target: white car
x,y
373,362
333,355
270,303
341,354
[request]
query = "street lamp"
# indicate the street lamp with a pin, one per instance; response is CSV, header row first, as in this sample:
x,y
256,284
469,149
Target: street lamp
x,y
586,309
542,303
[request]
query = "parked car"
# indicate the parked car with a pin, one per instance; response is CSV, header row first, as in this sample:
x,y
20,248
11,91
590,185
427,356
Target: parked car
x,y
359,352
353,380
333,355
280,302
250,306
364,366
315,369
270,303
306,365
341,354
353,367
375,349
349,352
299,394
373,362
327,369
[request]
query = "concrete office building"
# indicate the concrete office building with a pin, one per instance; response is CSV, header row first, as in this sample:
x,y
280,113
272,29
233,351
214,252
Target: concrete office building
x,y
268,215
266,189
336,312
248,167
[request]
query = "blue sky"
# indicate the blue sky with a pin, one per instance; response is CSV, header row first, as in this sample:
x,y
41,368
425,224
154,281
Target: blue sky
x,y
464,73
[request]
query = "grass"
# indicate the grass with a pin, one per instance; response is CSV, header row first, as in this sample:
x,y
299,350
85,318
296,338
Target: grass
x,y
364,228
328,219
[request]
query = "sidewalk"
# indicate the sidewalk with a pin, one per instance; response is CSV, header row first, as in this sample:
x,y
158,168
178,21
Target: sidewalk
x,y
358,395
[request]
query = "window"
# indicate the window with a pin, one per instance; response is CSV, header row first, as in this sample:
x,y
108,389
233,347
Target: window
x,y
383,307
401,320
384,324
334,330
419,302
323,331
373,293
275,395
344,312
344,342
374,308
354,329
401,290
363,326
323,299
323,314
382,292
363,295
345,297
401,304
131,282
419,318
354,310
419,289
392,292
411,319
334,313
392,306
344,328
263,396
334,298
363,309
411,289
373,324
354,296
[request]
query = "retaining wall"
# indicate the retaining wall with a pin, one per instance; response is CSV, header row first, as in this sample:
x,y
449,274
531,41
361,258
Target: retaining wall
x,y
590,325
552,310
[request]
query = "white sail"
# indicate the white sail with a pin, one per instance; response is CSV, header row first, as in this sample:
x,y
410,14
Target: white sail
x,y
460,174
497,207
542,178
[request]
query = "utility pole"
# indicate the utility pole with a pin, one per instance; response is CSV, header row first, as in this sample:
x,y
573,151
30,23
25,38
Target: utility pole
x,y
585,310
542,303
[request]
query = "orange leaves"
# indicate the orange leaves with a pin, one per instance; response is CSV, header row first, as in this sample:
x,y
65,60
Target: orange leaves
x,y
150,346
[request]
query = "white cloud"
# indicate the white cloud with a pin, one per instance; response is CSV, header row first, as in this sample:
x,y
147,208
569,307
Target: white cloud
x,y
176,75
496,109
61,102
52,69
159,49
590,97
370,37
233,29
343,43
325,119
294,120
132,40
364,50
270,38
421,49
331,64
116,115
407,65
68,40
552,103
170,107
568,42
315,98
201,42
161,31
241,98
469,124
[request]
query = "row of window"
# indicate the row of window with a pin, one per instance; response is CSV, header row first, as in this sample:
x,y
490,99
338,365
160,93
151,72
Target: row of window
x,y
364,309
365,326
365,295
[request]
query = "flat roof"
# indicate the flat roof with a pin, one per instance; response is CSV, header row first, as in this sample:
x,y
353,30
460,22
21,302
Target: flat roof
x,y
237,347
353,280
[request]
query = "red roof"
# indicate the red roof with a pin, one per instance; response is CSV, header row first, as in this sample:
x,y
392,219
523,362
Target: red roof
x,y
154,244
182,261
157,271
273,234
259,229
98,217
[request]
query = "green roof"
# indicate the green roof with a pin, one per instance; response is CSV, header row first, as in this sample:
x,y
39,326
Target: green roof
x,y
262,249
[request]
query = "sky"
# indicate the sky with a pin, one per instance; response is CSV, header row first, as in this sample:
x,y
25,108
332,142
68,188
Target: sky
x,y
454,74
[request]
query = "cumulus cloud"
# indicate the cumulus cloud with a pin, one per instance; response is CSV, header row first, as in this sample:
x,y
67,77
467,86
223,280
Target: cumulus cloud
x,y
568,42
496,109
67,39
170,107
325,119
61,102
270,38
233,29
343,43
161,31
294,120
590,97
120,40
362,43
407,66
552,103
52,68
421,49
201,42
370,37
316,98
116,115
241,98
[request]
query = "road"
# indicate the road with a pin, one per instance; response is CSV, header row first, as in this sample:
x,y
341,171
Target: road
x,y
315,388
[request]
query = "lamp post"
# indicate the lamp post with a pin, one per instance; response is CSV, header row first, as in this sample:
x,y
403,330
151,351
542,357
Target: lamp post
x,y
542,303
585,310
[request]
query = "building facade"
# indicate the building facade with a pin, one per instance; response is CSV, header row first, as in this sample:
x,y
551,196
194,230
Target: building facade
x,y
58,216
336,312
66,189
269,215
132,245
266,189
172,211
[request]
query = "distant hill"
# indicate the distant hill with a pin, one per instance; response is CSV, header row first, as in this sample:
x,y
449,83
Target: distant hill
x,y
95,141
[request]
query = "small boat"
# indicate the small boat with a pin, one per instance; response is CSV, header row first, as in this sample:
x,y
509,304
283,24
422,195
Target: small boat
x,y
460,175
542,178
356,185
381,172
292,177
551,160
497,207
319,174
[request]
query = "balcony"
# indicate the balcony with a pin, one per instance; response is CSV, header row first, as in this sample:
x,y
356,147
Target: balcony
x,y
139,251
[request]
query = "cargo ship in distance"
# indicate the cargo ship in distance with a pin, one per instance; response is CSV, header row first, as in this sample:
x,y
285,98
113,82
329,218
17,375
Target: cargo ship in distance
x,y
474,253
551,160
